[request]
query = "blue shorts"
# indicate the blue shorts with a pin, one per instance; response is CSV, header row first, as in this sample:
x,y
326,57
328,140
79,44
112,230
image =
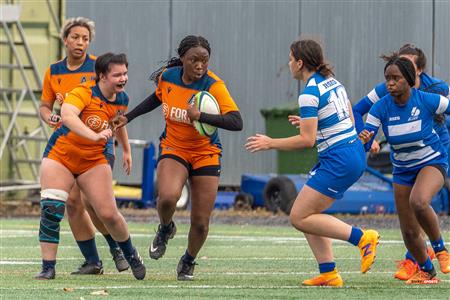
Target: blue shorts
x,y
408,177
338,169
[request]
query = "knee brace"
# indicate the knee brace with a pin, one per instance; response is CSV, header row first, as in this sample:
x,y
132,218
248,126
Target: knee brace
x,y
53,204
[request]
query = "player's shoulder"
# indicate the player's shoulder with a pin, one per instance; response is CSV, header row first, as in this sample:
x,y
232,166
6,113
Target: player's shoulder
x,y
122,98
59,67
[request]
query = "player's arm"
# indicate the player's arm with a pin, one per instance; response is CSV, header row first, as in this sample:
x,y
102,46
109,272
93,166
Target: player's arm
x,y
48,98
122,138
147,105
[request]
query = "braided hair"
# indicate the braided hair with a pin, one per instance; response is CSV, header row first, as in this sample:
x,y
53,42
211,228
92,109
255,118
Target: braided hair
x,y
190,41
405,66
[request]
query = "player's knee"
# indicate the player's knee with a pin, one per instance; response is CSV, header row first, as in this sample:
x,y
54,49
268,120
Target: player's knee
x,y
108,216
75,207
167,199
200,228
419,202
410,234
296,220
52,212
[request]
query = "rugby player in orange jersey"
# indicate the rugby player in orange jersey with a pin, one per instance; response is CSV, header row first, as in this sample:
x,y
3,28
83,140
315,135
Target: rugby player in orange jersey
x,y
61,77
184,153
77,152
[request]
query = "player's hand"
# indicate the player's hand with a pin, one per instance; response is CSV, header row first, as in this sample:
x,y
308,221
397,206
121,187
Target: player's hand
x,y
193,112
294,120
375,148
54,120
118,122
59,98
104,135
365,136
127,162
258,142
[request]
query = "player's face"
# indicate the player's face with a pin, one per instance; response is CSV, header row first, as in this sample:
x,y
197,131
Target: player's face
x,y
396,84
294,66
195,63
77,42
116,79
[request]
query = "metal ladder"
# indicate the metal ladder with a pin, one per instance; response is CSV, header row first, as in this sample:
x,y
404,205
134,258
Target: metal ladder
x,y
16,139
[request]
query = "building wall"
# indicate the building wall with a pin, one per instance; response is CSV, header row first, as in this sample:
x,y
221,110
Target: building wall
x,y
250,47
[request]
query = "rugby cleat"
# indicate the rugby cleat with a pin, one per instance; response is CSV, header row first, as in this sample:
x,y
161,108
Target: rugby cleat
x,y
158,246
422,277
443,258
325,279
185,271
46,274
88,268
137,266
368,249
119,259
407,268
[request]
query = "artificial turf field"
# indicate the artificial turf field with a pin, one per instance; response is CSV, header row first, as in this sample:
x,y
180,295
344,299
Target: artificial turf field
x,y
237,262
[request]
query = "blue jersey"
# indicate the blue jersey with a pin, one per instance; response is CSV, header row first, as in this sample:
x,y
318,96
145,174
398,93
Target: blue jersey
x,y
326,100
427,83
409,128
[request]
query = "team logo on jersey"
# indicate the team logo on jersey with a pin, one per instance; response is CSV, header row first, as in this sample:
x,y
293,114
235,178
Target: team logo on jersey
x,y
59,80
178,115
415,112
165,109
96,123
169,89
83,79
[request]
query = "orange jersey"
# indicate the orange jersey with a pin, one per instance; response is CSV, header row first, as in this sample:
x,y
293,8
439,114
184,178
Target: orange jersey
x,y
60,80
174,95
77,153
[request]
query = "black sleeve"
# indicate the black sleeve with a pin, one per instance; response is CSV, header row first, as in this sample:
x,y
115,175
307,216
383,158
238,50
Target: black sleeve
x,y
147,105
229,121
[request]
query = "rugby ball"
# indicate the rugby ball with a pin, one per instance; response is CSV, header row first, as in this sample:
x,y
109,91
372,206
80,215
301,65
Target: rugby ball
x,y
208,104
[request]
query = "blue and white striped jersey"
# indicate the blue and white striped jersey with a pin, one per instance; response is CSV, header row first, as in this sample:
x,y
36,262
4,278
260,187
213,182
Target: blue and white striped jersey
x,y
326,100
409,128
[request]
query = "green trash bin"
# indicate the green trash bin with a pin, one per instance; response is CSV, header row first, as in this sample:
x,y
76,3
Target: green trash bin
x,y
278,126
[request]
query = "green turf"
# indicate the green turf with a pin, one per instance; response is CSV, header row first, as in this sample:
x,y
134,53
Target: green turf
x,y
237,262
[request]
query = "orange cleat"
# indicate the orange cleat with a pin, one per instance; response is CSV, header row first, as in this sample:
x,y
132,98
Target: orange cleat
x,y
325,279
406,269
444,261
422,277
431,253
368,249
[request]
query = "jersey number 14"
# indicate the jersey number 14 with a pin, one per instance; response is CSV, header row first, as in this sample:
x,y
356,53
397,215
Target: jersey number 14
x,y
339,99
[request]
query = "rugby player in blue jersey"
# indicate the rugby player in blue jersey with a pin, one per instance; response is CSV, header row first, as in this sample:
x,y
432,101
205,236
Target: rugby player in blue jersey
x,y
407,268
419,161
326,118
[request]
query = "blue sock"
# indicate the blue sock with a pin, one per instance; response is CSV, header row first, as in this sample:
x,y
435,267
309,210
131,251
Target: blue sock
x,y
89,251
327,267
355,236
427,266
111,242
48,264
127,249
187,258
409,256
438,245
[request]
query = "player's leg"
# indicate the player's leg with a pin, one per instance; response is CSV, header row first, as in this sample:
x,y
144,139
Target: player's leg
x,y
96,184
203,191
84,233
329,275
116,253
171,175
429,181
56,182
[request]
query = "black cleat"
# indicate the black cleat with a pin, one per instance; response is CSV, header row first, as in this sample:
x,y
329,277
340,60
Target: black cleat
x,y
185,271
119,259
137,266
46,274
89,269
158,246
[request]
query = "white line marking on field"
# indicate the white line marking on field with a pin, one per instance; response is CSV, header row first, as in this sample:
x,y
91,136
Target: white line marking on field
x,y
251,287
